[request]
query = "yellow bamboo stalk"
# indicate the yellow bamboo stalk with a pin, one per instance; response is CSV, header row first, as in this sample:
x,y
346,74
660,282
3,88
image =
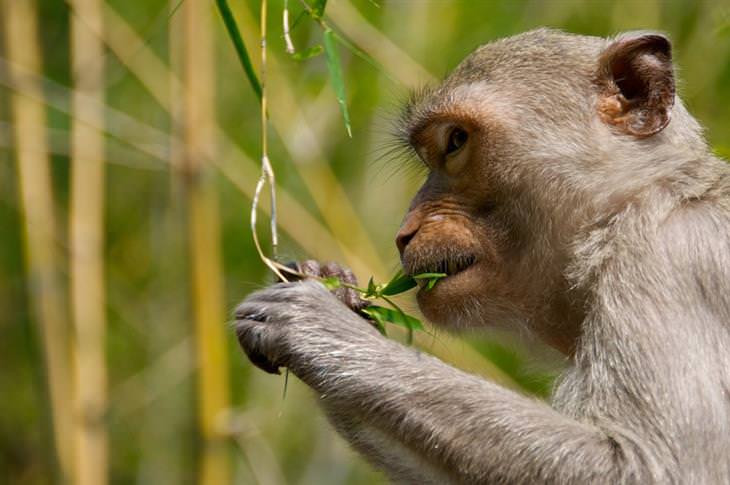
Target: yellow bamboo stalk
x,y
87,244
198,86
45,289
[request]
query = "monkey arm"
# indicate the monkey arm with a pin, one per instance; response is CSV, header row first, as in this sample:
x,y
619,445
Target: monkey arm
x,y
415,416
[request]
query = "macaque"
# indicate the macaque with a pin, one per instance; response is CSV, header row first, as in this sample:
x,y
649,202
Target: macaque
x,y
569,191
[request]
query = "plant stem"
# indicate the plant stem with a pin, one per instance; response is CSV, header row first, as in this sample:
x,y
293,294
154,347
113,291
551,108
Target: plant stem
x,y
267,172
87,246
35,189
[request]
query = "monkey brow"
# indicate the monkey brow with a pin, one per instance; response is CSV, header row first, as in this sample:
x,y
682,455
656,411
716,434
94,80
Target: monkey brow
x,y
415,110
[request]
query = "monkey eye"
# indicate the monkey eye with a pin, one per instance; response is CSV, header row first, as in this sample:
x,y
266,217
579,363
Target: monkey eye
x,y
457,139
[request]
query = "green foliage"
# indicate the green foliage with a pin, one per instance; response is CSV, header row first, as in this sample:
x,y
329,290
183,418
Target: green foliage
x,y
331,282
318,8
383,315
235,35
432,278
308,53
399,283
335,70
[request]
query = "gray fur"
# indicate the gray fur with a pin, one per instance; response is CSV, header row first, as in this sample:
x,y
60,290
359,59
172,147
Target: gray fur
x,y
628,237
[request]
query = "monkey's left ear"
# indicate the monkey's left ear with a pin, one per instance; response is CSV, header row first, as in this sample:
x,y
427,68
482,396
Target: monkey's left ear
x,y
636,79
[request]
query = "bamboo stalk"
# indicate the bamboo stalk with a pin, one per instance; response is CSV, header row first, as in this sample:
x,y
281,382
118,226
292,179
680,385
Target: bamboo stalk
x,y
45,289
203,229
87,244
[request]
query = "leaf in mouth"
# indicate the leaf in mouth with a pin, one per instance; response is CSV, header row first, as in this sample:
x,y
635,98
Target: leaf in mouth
x,y
432,278
398,284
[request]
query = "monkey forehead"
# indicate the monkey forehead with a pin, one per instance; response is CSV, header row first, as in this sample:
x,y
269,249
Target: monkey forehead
x,y
536,55
537,69
476,102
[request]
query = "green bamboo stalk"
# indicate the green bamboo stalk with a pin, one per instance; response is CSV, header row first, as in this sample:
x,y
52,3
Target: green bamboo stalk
x,y
46,293
204,233
87,244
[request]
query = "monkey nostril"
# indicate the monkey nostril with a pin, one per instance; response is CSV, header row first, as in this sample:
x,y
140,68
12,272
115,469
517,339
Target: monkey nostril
x,y
403,238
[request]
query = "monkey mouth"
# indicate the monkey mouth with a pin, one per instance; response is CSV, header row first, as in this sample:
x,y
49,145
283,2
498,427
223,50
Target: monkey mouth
x,y
450,265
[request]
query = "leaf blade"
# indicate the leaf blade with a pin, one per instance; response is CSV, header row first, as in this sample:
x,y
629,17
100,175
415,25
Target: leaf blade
x,y
395,317
308,53
235,35
331,282
318,8
398,284
335,70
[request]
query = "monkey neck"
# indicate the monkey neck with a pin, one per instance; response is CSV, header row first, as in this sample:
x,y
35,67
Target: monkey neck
x,y
560,323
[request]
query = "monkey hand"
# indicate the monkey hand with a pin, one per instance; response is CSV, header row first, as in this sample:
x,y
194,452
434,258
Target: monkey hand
x,y
298,325
348,296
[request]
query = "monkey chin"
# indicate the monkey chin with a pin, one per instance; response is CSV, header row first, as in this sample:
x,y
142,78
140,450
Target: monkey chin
x,y
454,302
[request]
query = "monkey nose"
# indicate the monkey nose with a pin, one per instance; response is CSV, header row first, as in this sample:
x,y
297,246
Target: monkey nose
x,y
404,236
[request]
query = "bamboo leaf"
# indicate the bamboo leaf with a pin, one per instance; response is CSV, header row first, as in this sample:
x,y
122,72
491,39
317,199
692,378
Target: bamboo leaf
x,y
383,314
331,282
335,70
377,319
398,284
308,53
429,276
432,278
372,290
318,8
237,40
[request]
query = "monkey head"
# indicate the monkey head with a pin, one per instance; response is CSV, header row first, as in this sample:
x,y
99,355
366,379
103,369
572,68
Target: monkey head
x,y
529,143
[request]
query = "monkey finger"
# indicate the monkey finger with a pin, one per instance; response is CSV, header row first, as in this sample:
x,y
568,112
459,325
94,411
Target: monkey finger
x,y
310,267
348,296
251,340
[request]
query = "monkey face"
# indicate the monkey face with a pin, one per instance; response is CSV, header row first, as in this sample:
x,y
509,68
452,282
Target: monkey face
x,y
528,144
457,225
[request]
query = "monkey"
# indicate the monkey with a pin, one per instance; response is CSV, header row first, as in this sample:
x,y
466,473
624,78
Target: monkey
x,y
568,191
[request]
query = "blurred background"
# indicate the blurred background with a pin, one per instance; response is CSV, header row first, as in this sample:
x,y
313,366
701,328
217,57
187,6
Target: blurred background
x,y
129,152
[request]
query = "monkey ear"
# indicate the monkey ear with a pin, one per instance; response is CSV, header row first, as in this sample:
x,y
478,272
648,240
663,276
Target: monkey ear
x,y
637,84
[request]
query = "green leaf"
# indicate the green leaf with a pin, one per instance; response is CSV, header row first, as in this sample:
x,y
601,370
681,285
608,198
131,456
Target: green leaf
x,y
375,317
308,53
237,40
335,70
429,276
432,278
372,290
331,282
318,8
398,284
383,314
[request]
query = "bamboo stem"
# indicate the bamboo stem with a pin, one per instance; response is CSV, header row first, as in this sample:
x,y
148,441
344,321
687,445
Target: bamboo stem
x,y
45,290
87,244
207,275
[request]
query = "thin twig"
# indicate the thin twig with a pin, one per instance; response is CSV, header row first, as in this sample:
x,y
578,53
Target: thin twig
x,y
267,172
287,36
